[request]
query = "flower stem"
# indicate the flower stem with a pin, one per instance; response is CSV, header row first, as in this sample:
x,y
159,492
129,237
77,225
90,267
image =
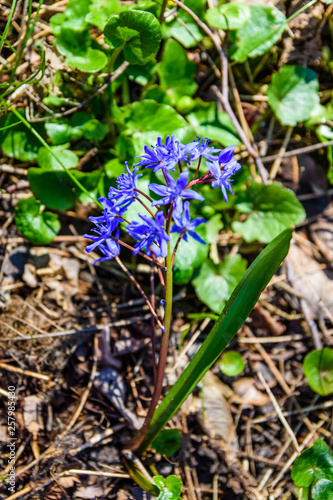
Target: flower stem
x,y
135,444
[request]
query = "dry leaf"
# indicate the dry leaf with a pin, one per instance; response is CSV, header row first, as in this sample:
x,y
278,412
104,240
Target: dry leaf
x,y
246,389
32,414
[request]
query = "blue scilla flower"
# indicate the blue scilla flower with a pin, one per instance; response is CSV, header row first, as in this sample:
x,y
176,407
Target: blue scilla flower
x,y
149,233
184,225
200,148
110,249
222,168
174,191
163,156
106,223
127,185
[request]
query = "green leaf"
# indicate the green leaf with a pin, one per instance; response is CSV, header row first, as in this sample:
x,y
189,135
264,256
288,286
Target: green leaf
x,y
233,316
90,128
176,71
56,190
72,37
190,35
228,16
15,141
138,31
46,160
60,132
101,10
190,254
90,62
146,120
272,208
232,363
293,94
170,488
313,464
318,369
263,29
167,442
208,122
36,226
322,489
215,283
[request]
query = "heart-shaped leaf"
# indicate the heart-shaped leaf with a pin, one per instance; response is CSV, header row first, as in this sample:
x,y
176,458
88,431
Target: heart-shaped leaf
x,y
137,31
36,226
215,283
272,208
262,30
170,488
313,464
293,94
318,369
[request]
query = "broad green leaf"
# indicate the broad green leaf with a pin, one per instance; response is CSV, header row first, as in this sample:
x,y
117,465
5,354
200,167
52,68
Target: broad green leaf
x,y
215,283
176,71
101,10
71,36
322,489
313,464
228,16
263,29
293,94
80,125
271,209
318,369
36,226
233,316
146,120
15,141
137,31
90,62
61,132
190,34
170,488
56,190
232,363
46,160
157,94
208,122
167,442
190,254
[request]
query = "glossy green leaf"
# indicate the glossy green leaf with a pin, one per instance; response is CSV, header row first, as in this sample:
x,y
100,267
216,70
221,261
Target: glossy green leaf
x,y
146,120
60,132
271,209
215,283
167,442
228,16
138,31
208,122
91,61
190,254
232,363
170,488
318,369
36,226
188,35
322,489
176,71
15,141
313,464
56,190
233,316
293,94
263,29
45,159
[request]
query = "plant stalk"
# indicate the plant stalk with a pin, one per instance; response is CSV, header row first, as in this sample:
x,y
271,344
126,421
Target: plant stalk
x,y
135,444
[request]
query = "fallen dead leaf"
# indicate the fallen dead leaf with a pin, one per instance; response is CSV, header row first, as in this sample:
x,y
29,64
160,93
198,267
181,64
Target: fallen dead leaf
x,y
246,389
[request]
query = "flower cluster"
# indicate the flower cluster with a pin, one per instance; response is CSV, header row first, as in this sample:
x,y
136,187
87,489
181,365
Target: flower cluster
x,y
152,232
